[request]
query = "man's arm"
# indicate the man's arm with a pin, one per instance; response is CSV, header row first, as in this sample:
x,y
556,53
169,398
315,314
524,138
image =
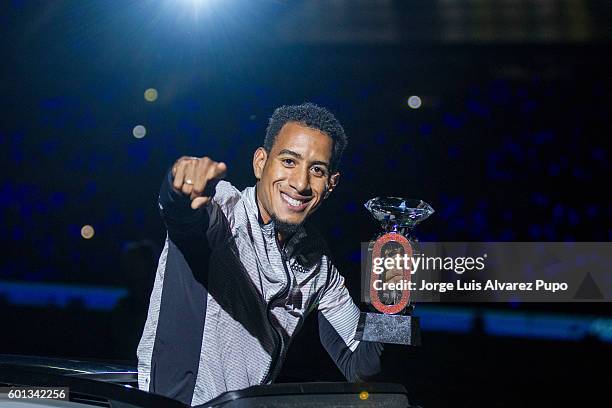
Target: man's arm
x,y
338,317
170,347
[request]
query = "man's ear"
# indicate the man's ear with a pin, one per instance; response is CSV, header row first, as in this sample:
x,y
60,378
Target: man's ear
x,y
333,182
259,161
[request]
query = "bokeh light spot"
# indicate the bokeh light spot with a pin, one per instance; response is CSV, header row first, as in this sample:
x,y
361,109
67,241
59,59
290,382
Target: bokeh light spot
x,y
87,232
364,395
139,131
150,95
414,102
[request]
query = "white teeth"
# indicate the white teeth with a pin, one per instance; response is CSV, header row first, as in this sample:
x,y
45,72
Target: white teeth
x,y
291,201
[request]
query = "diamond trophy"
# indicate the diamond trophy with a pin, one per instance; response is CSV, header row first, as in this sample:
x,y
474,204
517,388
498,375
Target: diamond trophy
x,y
385,284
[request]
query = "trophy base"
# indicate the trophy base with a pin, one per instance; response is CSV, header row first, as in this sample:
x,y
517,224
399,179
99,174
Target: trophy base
x,y
386,328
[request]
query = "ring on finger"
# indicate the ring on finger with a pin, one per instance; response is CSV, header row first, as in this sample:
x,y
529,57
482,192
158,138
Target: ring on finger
x,y
189,181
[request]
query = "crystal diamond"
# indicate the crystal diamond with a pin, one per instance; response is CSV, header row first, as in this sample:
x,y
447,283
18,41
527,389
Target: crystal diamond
x,y
401,212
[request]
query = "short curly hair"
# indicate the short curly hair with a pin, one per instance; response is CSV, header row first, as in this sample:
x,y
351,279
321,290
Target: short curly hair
x,y
312,116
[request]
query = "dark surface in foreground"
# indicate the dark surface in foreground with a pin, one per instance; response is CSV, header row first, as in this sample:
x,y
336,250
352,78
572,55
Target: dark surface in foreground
x,y
447,370
113,385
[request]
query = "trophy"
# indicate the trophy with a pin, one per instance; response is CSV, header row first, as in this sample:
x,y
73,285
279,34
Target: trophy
x,y
389,258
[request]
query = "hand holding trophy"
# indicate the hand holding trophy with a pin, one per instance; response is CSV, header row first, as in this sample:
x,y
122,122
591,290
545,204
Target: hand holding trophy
x,y
386,277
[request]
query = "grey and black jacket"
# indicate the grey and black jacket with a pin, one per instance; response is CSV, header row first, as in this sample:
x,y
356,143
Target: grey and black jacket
x,y
227,300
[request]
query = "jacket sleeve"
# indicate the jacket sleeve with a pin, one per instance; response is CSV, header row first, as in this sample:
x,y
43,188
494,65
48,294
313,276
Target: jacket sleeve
x,y
169,350
338,316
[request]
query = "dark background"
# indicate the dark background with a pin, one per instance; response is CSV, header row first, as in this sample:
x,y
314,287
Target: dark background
x,y
511,143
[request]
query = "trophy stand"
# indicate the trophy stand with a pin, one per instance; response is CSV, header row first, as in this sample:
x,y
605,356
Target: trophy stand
x,y
391,319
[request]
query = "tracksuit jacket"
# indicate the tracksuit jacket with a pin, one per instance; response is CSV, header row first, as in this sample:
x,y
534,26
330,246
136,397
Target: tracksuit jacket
x,y
227,300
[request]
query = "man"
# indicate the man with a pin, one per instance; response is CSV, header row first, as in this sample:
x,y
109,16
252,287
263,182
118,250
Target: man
x,y
241,270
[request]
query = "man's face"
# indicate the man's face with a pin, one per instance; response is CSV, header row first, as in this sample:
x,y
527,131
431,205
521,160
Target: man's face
x,y
294,177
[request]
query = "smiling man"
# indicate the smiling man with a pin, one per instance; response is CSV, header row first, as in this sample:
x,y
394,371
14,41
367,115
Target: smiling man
x,y
240,271
294,173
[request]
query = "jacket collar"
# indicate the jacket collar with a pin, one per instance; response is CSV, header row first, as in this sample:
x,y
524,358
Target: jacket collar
x,y
291,245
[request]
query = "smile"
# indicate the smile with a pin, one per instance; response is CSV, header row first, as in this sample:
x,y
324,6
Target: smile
x,y
294,204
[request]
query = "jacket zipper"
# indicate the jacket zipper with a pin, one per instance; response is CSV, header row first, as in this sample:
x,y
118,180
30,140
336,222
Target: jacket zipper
x,y
283,293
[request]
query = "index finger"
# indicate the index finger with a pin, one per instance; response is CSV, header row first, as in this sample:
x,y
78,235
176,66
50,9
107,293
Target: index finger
x,y
219,170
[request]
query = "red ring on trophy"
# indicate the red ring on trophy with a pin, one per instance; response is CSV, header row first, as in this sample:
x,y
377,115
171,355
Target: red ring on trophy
x,y
376,253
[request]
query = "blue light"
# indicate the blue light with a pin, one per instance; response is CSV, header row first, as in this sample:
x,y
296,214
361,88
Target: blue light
x,y
446,319
61,295
515,324
536,326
